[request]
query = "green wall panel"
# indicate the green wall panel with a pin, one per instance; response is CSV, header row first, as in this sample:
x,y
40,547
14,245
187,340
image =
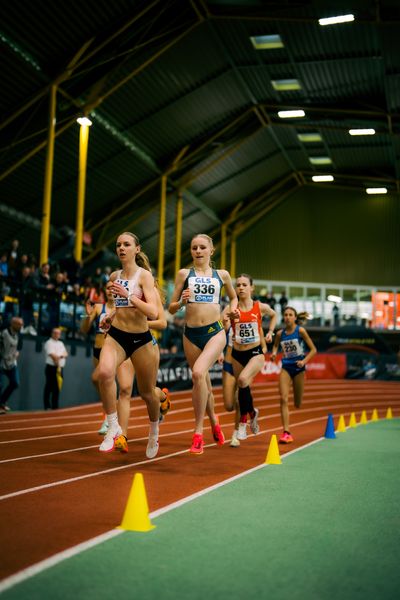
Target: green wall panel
x,y
326,235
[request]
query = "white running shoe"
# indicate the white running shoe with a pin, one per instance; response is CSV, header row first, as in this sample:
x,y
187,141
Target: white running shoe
x,y
107,444
242,433
104,427
152,447
254,426
234,441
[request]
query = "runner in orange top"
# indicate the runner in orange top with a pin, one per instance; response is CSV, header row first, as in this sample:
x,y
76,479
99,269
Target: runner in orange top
x,y
249,346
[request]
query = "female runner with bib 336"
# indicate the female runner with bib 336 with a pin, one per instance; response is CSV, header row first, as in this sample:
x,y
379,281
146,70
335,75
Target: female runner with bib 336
x,y
199,290
293,364
129,337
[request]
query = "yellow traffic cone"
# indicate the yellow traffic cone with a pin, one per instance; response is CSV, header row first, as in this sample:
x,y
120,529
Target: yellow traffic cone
x,y
136,515
363,419
374,415
273,457
352,422
389,414
341,425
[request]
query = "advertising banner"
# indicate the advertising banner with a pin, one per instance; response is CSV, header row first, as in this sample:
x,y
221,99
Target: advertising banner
x,y
175,374
322,366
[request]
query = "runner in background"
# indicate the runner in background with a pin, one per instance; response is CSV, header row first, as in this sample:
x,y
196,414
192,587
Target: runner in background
x,y
249,347
199,290
291,339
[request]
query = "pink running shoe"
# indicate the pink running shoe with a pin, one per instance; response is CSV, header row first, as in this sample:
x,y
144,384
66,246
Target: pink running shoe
x,y
197,446
286,438
218,434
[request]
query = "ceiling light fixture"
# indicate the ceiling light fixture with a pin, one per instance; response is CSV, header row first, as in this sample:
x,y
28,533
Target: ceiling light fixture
x,y
266,42
84,121
377,190
319,178
309,137
285,85
362,131
291,114
320,160
336,20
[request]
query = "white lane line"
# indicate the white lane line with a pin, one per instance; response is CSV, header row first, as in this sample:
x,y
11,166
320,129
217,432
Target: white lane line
x,y
256,394
91,543
142,462
172,421
366,387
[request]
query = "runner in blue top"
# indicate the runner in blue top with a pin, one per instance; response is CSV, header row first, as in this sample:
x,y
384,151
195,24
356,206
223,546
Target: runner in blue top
x,y
199,290
291,339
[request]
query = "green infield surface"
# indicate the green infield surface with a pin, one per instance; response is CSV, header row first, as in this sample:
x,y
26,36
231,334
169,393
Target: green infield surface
x,y
324,524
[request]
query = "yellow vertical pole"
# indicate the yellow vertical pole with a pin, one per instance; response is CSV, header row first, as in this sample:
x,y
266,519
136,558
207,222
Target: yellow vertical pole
x,y
48,178
161,239
224,228
178,236
233,255
80,209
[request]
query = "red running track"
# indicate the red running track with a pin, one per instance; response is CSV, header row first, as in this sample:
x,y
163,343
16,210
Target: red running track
x,y
57,490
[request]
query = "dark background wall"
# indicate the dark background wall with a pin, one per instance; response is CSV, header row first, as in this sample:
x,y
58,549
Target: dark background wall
x,y
77,388
326,236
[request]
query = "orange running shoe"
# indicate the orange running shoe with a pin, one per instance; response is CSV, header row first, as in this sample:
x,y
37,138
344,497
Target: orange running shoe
x,y
165,405
197,446
121,444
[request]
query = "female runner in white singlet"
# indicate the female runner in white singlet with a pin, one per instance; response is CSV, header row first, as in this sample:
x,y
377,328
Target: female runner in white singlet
x,y
129,337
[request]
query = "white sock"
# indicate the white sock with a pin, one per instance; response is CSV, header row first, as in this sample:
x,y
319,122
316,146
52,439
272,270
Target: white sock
x,y
154,428
112,420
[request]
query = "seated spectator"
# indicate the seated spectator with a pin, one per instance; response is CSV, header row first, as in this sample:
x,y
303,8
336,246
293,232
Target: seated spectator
x,y
26,298
12,258
3,265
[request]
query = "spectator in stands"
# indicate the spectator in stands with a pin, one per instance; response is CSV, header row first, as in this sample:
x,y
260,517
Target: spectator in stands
x,y
3,265
13,255
172,338
283,302
43,280
26,298
8,360
336,315
56,353
270,300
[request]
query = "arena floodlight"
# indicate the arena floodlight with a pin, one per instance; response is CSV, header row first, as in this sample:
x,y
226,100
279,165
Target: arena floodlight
x,y
362,131
320,178
376,190
84,121
336,20
291,114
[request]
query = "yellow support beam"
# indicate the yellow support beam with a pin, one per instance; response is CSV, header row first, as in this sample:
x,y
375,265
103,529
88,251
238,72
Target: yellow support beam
x,y
48,178
80,209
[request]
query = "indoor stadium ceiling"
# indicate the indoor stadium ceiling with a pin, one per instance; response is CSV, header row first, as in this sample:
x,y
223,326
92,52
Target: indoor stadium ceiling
x,y
178,92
